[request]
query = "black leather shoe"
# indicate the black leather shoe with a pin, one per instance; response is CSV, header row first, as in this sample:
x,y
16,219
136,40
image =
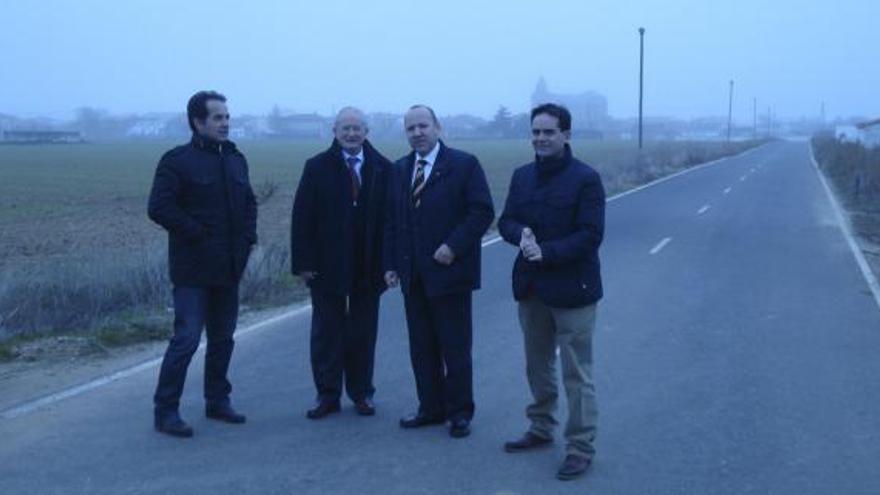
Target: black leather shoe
x,y
419,420
527,442
572,467
365,407
322,409
226,414
173,426
459,428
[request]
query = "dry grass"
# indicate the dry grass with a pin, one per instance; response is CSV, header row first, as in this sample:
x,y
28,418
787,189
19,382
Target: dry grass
x,y
854,172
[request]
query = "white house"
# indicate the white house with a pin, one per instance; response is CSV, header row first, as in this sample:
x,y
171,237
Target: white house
x,y
847,133
147,128
870,133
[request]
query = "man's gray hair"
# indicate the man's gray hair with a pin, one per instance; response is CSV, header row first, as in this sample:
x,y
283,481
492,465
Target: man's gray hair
x,y
357,112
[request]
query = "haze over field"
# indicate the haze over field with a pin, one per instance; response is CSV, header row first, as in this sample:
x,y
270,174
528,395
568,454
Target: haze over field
x,y
459,56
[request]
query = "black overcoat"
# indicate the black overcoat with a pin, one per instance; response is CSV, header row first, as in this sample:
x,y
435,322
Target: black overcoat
x,y
322,226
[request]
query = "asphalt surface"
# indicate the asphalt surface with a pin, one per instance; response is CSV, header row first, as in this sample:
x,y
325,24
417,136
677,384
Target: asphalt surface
x,y
736,353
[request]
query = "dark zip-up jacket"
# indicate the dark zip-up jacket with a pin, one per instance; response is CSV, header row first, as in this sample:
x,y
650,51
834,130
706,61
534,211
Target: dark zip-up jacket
x,y
563,202
202,196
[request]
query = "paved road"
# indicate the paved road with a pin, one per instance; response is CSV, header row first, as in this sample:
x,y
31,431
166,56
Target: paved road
x,y
737,353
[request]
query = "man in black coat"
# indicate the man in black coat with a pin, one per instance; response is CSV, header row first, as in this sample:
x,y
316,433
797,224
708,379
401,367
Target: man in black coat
x,y
439,209
336,246
555,214
202,196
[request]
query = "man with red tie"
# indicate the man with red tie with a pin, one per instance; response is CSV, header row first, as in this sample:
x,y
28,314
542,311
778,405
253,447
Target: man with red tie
x,y
336,247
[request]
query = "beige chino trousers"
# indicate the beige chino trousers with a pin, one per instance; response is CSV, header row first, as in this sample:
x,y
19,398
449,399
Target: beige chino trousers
x,y
571,330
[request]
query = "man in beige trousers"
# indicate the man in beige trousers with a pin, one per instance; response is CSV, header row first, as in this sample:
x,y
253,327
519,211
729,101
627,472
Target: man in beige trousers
x,y
555,214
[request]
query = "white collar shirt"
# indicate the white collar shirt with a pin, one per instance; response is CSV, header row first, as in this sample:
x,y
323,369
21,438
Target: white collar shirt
x,y
358,165
430,158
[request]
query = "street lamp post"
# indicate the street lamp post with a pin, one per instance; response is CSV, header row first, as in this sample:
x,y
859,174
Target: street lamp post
x,y
730,110
641,78
754,118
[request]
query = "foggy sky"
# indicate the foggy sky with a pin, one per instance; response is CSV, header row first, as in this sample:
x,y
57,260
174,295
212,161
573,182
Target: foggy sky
x,y
458,56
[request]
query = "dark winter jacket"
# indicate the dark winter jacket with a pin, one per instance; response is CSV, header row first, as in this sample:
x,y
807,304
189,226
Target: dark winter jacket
x,y
563,202
202,196
455,209
330,234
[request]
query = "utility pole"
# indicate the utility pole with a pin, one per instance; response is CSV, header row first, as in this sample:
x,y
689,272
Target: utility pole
x,y
754,118
641,78
730,110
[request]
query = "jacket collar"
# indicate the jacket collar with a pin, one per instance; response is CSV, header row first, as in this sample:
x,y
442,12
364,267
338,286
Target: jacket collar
x,y
441,163
335,151
550,166
208,144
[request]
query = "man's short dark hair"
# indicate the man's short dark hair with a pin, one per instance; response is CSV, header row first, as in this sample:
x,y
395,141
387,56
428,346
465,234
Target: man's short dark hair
x,y
560,112
197,108
430,110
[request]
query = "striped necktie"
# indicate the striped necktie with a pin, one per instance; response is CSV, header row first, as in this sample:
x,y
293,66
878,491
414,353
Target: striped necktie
x,y
418,182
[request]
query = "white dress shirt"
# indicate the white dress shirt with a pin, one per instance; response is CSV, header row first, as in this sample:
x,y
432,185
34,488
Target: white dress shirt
x,y
358,165
430,158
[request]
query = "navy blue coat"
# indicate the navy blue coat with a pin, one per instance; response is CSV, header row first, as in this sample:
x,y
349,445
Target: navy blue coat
x,y
202,196
323,222
456,209
564,205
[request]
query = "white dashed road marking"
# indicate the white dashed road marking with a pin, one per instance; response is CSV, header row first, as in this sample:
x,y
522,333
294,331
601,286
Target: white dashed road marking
x,y
660,245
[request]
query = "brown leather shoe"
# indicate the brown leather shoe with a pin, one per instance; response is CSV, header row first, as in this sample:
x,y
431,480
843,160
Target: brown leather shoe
x,y
459,428
527,442
365,407
322,409
173,426
419,420
226,414
572,467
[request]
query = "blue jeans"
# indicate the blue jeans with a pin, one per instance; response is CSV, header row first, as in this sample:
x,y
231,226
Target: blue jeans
x,y
216,310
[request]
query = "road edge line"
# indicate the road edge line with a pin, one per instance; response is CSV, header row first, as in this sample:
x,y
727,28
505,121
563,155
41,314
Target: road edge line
x,y
34,404
685,171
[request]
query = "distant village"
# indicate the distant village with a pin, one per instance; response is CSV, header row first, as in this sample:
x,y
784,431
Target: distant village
x,y
589,111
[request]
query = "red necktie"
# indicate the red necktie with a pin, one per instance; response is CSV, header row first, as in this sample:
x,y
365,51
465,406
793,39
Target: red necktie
x,y
355,182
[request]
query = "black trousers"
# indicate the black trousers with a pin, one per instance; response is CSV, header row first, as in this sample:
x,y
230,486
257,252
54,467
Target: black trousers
x,y
440,340
216,310
343,343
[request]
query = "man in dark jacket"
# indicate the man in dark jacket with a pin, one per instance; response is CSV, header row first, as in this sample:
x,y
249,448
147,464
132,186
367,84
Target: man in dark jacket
x,y
202,196
440,207
336,246
555,214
